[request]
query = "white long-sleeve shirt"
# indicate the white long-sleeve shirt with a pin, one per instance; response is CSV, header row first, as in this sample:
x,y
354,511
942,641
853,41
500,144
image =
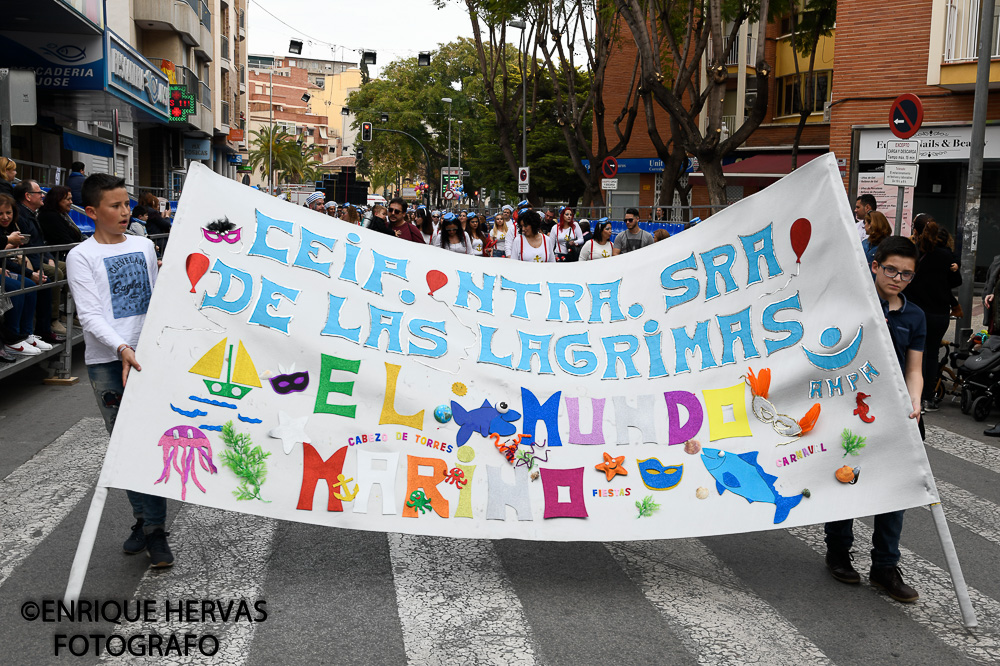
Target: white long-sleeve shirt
x,y
568,236
111,286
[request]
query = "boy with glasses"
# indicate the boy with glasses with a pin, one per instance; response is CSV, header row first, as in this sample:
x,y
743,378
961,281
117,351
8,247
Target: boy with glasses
x,y
893,267
400,226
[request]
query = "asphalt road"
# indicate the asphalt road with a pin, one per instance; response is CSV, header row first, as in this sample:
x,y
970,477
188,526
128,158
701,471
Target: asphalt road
x,y
344,597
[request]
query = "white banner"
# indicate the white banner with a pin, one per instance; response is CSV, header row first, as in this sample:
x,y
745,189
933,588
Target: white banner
x,y
736,377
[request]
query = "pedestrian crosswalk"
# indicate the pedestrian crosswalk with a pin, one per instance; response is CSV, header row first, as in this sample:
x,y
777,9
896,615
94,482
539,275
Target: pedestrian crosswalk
x,y
461,601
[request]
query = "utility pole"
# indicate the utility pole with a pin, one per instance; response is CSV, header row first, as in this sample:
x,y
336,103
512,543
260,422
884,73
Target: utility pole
x,y
460,177
270,140
974,189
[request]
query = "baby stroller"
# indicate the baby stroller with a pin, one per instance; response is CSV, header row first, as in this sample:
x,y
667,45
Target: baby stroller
x,y
980,375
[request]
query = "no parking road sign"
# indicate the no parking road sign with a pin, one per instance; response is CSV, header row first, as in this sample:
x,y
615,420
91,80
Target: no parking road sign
x,y
906,115
609,167
523,179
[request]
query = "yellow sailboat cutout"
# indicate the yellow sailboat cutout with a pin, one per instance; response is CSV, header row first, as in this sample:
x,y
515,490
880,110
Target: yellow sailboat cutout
x,y
241,374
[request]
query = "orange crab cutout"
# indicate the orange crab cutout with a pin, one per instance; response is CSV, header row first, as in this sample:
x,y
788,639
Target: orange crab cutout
x,y
612,466
760,383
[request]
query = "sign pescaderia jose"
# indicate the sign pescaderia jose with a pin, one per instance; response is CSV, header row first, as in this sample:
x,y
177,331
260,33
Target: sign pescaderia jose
x,y
60,62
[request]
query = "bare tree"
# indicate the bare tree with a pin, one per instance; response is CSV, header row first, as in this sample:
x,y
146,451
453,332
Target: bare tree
x,y
576,57
672,36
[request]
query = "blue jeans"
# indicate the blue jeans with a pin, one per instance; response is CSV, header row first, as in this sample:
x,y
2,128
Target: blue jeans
x,y
19,321
885,539
106,379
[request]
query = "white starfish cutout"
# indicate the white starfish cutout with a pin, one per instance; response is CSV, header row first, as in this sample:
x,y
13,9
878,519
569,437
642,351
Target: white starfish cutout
x,y
290,431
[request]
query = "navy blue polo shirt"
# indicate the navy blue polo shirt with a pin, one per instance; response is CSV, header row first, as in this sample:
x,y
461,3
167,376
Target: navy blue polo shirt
x,y
907,328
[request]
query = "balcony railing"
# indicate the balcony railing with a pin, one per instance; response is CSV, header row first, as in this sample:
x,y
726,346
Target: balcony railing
x,y
206,95
194,5
243,74
733,57
242,20
225,113
225,47
206,15
962,31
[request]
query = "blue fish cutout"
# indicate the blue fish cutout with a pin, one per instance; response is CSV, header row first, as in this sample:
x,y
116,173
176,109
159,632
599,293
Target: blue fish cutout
x,y
484,420
741,475
657,476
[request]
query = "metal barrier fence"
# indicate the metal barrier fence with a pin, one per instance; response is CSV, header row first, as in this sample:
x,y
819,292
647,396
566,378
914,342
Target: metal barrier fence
x,y
60,357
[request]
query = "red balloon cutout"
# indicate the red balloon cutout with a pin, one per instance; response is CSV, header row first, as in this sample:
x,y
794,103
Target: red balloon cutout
x,y
801,231
197,266
436,280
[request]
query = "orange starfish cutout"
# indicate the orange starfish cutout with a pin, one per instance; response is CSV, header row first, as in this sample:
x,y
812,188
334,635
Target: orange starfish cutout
x,y
612,466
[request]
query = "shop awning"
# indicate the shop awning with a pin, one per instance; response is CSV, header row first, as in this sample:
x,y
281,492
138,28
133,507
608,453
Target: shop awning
x,y
767,165
82,143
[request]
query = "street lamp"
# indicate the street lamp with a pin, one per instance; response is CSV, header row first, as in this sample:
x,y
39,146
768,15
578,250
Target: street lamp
x,y
448,100
459,151
521,25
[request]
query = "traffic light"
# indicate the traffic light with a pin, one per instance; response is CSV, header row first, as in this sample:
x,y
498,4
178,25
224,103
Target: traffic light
x,y
366,131
359,154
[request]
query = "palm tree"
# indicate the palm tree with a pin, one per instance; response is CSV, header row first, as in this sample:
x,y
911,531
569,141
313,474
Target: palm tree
x,y
271,146
303,164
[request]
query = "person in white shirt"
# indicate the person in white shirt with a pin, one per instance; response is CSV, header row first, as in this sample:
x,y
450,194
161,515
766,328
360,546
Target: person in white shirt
x,y
482,244
600,246
428,227
566,235
865,204
531,244
111,276
452,237
501,229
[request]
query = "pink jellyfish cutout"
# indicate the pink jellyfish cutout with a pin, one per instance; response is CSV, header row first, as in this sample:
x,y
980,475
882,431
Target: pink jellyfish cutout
x,y
181,445
197,266
436,280
800,233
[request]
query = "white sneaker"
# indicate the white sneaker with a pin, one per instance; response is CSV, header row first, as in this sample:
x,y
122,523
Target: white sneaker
x,y
23,348
38,343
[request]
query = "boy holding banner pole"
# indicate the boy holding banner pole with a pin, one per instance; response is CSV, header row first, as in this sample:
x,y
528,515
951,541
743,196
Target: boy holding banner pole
x,y
894,267
111,276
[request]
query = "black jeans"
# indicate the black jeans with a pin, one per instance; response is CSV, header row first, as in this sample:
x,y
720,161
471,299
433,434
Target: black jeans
x,y
937,326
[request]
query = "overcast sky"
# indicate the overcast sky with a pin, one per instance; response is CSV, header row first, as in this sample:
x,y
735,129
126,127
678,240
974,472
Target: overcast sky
x,y
393,28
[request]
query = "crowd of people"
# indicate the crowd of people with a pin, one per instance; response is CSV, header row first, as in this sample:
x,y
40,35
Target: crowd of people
x,y
31,322
520,232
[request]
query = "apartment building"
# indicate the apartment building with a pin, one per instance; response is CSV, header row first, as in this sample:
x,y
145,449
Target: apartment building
x,y
928,48
307,100
139,88
764,157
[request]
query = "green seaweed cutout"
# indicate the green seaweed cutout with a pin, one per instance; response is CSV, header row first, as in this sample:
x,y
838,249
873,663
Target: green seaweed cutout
x,y
646,507
852,443
247,462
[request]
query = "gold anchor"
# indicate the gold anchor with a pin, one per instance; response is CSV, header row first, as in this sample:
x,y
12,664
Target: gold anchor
x,y
348,495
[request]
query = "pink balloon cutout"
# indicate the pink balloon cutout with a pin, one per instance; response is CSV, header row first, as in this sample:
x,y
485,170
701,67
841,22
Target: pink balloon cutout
x,y
436,280
801,231
197,266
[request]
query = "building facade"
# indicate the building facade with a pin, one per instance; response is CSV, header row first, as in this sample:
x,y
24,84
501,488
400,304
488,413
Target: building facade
x,y
927,48
307,97
762,159
126,86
